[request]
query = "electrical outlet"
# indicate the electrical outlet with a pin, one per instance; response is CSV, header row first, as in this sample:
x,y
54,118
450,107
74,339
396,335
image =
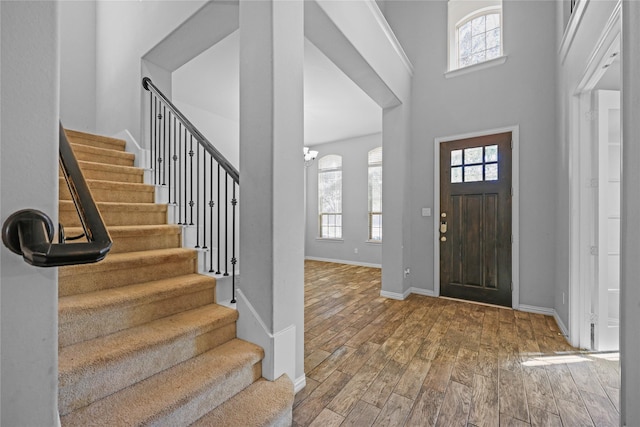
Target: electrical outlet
x,y
355,250
407,271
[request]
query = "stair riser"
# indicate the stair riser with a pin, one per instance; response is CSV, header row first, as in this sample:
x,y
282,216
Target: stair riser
x,y
115,176
80,138
145,242
210,399
100,322
109,159
78,389
122,195
117,215
80,279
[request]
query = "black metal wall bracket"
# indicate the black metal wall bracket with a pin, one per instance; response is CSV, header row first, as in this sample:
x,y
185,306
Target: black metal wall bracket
x,y
26,225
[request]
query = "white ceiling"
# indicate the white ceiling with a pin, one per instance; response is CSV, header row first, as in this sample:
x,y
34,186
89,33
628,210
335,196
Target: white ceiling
x,y
335,107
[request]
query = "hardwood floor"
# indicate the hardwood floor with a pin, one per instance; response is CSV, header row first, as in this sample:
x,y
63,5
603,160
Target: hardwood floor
x,y
428,361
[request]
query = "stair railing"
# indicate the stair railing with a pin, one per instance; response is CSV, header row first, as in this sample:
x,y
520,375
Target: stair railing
x,y
30,232
201,183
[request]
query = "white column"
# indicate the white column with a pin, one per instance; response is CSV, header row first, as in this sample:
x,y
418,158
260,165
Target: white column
x,y
630,215
271,289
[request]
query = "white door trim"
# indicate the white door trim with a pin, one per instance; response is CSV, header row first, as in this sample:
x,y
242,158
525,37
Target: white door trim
x,y
515,206
580,195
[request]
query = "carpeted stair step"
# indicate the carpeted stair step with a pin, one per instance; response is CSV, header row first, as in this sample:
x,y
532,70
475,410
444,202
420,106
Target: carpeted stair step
x,y
109,191
99,141
94,369
262,404
115,173
134,238
180,395
95,314
126,269
88,153
116,213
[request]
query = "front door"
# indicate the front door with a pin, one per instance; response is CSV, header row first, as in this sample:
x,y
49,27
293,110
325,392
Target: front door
x,y
475,219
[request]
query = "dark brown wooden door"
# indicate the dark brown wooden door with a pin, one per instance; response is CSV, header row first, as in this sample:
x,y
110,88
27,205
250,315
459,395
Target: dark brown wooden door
x,y
475,219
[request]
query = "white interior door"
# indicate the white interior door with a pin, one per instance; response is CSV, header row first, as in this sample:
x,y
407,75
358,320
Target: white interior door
x,y
606,296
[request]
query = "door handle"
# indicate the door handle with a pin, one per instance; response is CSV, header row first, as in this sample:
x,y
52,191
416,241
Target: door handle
x,y
443,227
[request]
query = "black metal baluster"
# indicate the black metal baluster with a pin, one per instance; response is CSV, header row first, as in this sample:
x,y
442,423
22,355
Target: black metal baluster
x,y
168,166
151,126
234,202
211,205
185,177
164,146
158,138
218,199
204,199
197,193
175,159
191,202
226,224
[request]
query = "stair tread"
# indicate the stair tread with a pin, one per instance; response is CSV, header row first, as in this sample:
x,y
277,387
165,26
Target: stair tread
x,y
101,151
110,185
133,230
85,136
140,257
184,386
133,294
105,350
263,403
85,164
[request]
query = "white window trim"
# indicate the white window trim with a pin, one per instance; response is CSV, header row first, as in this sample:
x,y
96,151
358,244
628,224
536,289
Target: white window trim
x,y
476,67
454,64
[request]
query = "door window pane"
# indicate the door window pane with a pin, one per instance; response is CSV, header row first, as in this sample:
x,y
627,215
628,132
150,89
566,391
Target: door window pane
x,y
473,173
456,175
456,157
491,172
491,153
472,155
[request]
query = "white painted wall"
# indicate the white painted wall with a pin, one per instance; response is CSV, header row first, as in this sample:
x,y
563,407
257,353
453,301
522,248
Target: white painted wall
x,y
29,176
519,92
125,32
78,65
355,232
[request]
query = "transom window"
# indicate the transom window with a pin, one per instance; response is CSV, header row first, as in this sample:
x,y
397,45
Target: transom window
x,y
479,39
375,195
330,197
474,164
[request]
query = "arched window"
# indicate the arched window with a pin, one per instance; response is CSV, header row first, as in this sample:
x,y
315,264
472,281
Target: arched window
x,y
475,32
330,197
375,195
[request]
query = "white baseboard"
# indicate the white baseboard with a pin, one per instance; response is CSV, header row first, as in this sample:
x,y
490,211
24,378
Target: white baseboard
x,y
279,347
547,312
299,383
342,261
402,296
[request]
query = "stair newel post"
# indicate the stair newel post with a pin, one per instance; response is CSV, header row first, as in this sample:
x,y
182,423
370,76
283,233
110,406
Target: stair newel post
x,y
234,202
218,221
191,202
226,224
211,205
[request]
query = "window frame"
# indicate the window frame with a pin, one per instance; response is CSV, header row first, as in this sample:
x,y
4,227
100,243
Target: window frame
x,y
321,214
370,212
489,10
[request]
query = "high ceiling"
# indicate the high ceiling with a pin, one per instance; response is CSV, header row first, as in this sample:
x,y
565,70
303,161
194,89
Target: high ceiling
x,y
335,107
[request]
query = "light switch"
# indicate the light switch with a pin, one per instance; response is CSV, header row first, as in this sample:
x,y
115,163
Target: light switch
x,y
426,211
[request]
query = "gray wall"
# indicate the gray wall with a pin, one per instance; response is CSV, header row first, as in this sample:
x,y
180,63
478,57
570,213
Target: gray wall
x,y
354,204
29,165
519,92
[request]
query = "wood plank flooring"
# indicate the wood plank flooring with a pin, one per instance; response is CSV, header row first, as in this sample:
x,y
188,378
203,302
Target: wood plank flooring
x,y
374,361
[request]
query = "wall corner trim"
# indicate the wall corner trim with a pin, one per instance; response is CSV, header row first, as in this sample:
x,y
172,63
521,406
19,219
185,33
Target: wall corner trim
x,y
299,383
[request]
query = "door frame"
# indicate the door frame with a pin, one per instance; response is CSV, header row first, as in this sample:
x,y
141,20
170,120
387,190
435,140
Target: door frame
x,y
580,135
515,206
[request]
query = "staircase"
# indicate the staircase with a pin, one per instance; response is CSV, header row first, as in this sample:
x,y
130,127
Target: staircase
x,y
141,338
